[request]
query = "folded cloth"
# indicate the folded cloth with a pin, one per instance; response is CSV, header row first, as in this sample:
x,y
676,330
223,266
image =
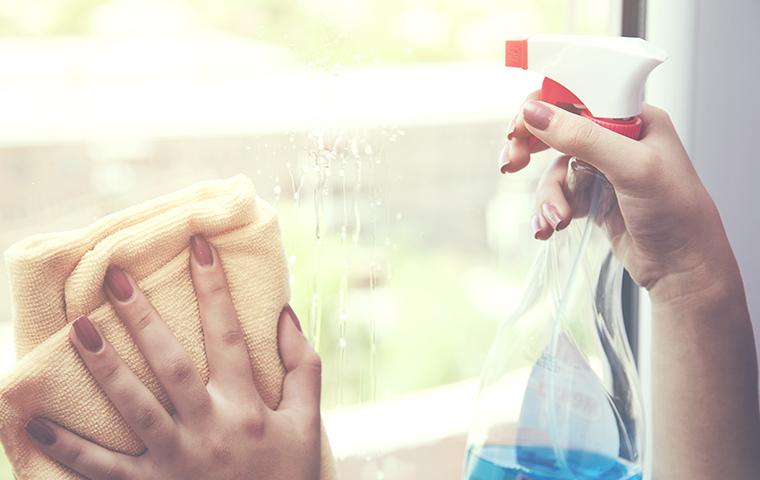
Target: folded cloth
x,y
57,277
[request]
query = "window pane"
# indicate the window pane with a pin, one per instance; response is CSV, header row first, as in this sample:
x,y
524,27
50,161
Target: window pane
x,y
374,127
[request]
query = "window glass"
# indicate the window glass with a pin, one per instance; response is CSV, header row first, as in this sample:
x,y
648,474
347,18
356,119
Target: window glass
x,y
373,126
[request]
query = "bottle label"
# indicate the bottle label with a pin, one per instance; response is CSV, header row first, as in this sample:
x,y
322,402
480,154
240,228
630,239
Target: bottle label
x,y
566,405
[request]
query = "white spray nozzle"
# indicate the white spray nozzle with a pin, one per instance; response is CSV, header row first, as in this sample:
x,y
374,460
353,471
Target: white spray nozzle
x,y
606,74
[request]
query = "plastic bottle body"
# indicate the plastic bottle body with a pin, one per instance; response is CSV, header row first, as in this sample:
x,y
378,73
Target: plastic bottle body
x,y
559,395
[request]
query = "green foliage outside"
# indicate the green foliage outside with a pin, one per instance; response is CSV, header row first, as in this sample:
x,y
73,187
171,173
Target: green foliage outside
x,y
324,31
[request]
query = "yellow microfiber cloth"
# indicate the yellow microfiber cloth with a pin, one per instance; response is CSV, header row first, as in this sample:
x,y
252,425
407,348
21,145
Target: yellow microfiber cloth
x,y
57,277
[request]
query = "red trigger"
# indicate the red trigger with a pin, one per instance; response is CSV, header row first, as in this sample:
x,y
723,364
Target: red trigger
x,y
554,93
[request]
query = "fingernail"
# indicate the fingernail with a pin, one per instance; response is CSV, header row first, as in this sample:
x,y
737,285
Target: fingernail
x,y
40,432
535,224
201,250
537,114
504,159
552,214
118,283
293,317
87,334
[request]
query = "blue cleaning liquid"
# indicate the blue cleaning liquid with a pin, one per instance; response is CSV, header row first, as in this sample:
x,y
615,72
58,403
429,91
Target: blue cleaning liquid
x,y
499,462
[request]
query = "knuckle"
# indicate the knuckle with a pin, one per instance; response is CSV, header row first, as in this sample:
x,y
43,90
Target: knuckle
x,y
73,454
170,440
144,319
666,118
546,188
114,471
203,404
313,361
650,162
585,135
147,418
220,450
233,338
107,372
178,370
254,425
215,287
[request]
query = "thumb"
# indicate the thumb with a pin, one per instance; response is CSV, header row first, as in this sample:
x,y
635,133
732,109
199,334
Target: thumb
x,y
302,386
611,153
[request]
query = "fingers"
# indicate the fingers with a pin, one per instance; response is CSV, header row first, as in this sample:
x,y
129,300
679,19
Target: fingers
x,y
80,455
166,357
620,158
520,143
553,211
140,409
228,358
550,195
303,381
541,228
516,153
517,128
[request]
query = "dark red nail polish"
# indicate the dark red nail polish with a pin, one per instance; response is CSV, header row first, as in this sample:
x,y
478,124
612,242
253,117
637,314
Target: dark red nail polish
x,y
293,317
40,432
201,250
504,159
118,283
535,224
87,334
551,214
537,114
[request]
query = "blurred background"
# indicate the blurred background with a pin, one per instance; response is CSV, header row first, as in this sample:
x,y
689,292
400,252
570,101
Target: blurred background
x,y
373,126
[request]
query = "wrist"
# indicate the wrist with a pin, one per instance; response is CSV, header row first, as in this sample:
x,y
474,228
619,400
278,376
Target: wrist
x,y
713,280
703,268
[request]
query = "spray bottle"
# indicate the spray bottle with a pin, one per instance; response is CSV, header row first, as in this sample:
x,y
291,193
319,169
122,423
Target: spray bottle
x,y
560,397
